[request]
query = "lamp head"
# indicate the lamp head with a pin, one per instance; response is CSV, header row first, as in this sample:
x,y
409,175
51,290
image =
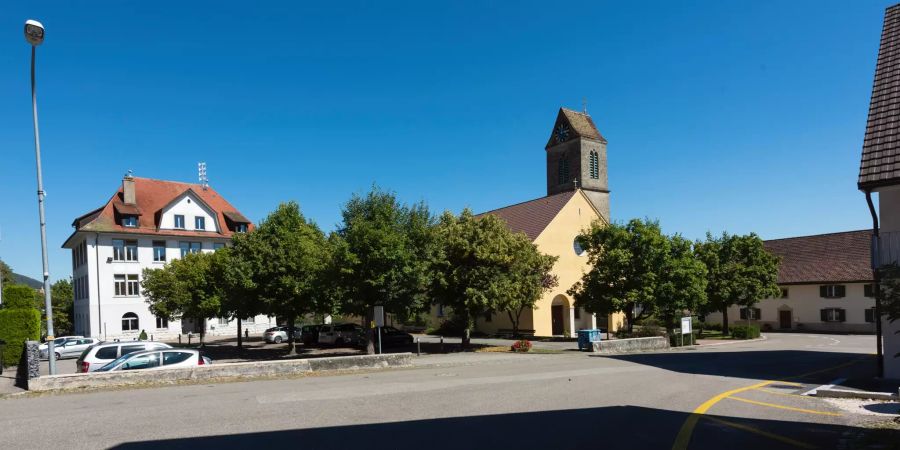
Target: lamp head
x,y
34,32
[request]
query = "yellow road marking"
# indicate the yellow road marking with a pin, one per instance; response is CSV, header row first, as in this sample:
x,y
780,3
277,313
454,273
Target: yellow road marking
x,y
769,391
755,430
789,408
687,429
790,383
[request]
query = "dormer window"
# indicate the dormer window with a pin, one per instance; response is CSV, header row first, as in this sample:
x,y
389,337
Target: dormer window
x,y
179,221
240,228
130,221
199,223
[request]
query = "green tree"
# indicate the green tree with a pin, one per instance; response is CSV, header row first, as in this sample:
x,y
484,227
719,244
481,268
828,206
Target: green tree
x,y
232,275
625,266
20,296
62,297
740,271
185,287
478,268
286,258
681,282
384,252
6,274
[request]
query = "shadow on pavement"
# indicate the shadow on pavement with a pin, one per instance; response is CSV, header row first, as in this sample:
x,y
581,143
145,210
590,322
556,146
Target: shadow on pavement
x,y
761,365
617,427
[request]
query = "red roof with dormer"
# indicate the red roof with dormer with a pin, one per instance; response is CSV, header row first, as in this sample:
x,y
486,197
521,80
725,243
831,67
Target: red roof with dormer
x,y
151,198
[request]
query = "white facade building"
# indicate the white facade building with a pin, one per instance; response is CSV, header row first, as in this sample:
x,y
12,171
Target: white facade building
x,y
145,224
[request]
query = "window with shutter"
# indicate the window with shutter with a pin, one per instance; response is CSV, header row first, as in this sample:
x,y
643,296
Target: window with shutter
x,y
744,313
870,315
869,290
840,291
841,315
757,313
823,291
824,315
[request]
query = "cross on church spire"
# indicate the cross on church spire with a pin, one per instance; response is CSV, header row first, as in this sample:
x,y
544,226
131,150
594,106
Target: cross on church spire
x,y
576,182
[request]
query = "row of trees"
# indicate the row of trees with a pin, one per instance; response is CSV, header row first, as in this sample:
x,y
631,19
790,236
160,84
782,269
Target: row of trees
x,y
638,270
61,296
383,253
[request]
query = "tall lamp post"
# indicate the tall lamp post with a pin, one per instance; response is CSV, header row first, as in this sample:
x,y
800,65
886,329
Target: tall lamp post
x,y
34,34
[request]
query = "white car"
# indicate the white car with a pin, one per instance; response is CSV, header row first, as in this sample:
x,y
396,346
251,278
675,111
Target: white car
x,y
102,354
68,347
157,359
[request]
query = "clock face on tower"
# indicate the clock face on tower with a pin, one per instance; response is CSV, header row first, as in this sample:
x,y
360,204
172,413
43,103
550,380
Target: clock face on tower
x,y
562,132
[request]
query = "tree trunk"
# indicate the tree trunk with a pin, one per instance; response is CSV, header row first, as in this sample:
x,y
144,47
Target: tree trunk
x,y
725,321
629,317
240,338
467,334
292,350
514,320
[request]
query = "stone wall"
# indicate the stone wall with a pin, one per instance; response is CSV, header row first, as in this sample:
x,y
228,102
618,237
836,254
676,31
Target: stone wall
x,y
218,372
631,345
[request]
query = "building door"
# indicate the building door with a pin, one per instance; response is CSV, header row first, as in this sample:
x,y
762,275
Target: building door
x,y
556,317
784,319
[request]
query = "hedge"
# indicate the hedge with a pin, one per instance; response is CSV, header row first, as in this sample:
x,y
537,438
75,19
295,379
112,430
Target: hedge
x,y
16,327
744,331
18,296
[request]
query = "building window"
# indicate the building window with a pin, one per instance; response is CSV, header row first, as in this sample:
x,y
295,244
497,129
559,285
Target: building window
x,y
750,313
131,251
130,322
595,165
119,281
223,321
870,315
869,291
162,323
130,221
179,221
218,245
189,247
199,223
833,315
784,292
159,251
563,170
833,291
240,228
249,320
133,286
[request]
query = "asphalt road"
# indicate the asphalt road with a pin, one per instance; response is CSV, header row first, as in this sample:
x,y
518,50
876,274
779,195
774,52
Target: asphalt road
x,y
739,395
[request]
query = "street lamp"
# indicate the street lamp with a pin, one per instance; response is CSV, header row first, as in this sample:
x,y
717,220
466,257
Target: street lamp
x,y
34,34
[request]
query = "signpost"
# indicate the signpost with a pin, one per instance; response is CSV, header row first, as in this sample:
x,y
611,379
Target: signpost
x,y
686,329
379,322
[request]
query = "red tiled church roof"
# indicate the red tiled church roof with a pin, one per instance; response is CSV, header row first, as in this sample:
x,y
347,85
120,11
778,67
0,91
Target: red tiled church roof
x,y
533,216
824,258
151,196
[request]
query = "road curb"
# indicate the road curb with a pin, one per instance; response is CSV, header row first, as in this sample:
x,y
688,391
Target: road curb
x,y
744,341
863,395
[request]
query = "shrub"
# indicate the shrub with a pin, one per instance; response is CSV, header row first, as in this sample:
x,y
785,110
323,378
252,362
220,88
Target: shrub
x,y
675,339
523,345
16,327
18,296
142,336
712,326
745,331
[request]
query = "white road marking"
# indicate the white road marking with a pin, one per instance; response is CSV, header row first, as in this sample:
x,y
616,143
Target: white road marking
x,y
825,386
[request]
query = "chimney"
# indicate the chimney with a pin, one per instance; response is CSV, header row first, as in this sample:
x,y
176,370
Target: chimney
x,y
128,194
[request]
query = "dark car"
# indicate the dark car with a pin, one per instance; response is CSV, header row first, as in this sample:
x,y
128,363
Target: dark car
x,y
309,334
391,336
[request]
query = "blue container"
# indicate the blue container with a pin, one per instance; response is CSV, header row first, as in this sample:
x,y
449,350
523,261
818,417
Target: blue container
x,y
586,337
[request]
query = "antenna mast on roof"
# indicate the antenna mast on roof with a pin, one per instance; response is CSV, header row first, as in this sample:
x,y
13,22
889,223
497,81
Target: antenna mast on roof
x,y
201,170
584,105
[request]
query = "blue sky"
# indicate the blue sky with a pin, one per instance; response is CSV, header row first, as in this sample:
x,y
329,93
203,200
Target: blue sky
x,y
737,116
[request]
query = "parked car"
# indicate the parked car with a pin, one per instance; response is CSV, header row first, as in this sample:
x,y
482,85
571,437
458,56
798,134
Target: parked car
x,y
57,342
279,334
70,348
391,336
99,355
309,334
342,334
157,359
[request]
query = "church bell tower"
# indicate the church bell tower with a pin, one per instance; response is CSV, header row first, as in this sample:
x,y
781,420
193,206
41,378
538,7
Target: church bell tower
x,y
576,158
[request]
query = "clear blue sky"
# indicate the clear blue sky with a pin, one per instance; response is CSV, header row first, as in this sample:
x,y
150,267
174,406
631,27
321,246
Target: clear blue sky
x,y
737,116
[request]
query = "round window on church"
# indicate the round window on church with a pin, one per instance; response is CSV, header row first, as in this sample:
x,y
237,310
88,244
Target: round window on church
x,y
578,249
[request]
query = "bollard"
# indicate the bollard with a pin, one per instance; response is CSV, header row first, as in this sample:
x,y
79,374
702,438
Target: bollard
x,y
189,338
418,347
442,344
179,338
151,338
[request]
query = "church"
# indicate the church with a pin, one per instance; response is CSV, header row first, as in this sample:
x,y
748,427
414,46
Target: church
x,y
577,195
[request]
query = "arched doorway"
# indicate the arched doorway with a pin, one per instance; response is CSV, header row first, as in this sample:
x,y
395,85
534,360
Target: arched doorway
x,y
559,316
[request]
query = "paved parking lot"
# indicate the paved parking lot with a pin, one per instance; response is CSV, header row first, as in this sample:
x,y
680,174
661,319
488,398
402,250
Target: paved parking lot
x,y
745,395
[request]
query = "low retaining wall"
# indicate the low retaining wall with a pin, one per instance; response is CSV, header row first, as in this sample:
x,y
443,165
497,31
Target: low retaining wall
x,y
258,369
631,345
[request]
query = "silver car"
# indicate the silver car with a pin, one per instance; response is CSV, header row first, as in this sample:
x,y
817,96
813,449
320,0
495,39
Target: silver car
x,y
157,359
102,354
71,347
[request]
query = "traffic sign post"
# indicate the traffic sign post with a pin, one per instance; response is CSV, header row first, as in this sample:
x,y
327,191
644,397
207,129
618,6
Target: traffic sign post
x,y
379,322
686,329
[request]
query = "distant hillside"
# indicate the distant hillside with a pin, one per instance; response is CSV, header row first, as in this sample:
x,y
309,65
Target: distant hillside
x,y
30,282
